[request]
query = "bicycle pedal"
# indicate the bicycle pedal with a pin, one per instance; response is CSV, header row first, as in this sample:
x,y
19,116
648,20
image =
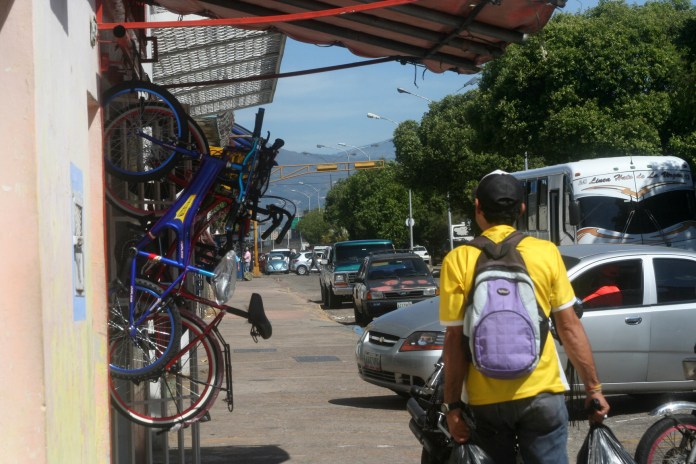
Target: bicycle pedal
x,y
206,417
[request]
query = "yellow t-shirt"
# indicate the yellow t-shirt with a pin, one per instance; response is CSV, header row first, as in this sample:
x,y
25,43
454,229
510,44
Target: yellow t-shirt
x,y
553,292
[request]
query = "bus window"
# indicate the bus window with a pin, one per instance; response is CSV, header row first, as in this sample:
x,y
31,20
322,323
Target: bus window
x,y
532,205
543,210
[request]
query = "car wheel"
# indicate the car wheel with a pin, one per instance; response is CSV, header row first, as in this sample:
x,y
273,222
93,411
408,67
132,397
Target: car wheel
x,y
323,296
359,320
332,301
301,270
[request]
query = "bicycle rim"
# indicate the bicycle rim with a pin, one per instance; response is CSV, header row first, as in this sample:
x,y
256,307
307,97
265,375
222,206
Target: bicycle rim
x,y
663,442
181,395
139,353
152,198
139,107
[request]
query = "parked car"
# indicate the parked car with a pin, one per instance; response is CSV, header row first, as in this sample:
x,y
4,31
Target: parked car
x,y
391,280
340,266
277,262
638,341
423,253
302,263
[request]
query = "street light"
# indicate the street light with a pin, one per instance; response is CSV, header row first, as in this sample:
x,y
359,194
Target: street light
x,y
315,189
400,90
309,198
341,144
319,145
377,116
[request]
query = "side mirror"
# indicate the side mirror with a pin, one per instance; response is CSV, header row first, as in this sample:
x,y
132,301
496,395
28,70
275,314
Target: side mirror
x,y
574,212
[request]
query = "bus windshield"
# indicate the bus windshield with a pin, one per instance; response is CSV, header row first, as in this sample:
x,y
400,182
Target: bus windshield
x,y
652,214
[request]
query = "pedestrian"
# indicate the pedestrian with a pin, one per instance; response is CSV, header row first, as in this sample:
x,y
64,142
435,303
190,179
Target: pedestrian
x,y
528,412
247,260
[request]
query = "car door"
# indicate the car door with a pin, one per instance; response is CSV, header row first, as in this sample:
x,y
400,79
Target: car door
x,y
673,332
619,331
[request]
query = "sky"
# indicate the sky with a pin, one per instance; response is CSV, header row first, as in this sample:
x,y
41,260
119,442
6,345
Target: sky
x,y
331,108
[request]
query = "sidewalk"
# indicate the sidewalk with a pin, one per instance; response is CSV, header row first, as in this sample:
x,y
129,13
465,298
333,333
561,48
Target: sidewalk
x,y
298,396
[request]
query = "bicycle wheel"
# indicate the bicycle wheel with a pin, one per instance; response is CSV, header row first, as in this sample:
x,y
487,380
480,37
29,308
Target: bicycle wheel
x,y
180,395
132,109
152,198
140,352
668,440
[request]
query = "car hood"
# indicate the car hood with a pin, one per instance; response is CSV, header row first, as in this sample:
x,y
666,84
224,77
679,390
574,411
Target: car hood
x,y
347,267
402,322
401,283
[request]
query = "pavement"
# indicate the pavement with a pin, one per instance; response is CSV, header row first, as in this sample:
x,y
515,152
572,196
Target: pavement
x,y
298,396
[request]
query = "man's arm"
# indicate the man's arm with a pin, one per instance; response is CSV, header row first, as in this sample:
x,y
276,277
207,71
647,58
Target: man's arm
x,y
456,369
577,347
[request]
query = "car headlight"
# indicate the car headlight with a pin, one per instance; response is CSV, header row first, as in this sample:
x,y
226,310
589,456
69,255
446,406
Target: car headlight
x,y
424,341
431,291
375,295
340,280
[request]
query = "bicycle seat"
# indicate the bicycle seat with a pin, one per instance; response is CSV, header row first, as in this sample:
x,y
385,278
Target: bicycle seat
x,y
257,317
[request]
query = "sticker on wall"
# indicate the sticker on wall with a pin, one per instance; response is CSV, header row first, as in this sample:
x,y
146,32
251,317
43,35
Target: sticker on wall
x,y
78,244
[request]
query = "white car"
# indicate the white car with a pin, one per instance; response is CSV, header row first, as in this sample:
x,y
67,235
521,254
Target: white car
x,y
638,342
422,252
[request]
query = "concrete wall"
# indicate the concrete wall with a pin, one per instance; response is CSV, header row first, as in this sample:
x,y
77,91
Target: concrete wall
x,y
53,356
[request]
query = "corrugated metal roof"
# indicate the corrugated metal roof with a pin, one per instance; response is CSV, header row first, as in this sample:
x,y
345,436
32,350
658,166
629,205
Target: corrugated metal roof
x,y
196,54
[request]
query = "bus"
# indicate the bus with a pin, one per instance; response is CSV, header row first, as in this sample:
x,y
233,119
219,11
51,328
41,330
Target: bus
x,y
627,199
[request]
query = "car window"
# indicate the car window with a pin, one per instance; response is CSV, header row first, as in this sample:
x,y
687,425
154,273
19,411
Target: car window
x,y
613,284
675,279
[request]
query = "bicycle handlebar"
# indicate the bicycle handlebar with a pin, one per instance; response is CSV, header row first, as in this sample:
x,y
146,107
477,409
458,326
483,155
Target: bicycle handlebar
x,y
258,123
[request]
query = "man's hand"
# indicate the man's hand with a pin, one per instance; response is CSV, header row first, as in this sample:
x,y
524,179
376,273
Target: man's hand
x,y
457,427
596,415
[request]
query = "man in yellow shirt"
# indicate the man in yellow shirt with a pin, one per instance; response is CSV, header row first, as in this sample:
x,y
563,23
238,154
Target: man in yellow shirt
x,y
528,410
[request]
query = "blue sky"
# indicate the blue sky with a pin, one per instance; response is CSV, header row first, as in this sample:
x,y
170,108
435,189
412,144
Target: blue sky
x,y
330,108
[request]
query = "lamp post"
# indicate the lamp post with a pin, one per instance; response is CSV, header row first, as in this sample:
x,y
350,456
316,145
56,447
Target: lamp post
x,y
341,144
309,198
316,190
377,116
400,90
319,145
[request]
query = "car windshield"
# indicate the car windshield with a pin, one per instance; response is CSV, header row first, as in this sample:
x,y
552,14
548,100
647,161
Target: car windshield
x,y
392,268
648,216
276,256
355,253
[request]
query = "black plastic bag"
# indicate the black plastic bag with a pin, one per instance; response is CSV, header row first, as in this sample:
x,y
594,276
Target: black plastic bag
x,y
469,453
602,447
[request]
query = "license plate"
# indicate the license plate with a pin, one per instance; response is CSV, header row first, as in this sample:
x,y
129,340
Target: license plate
x,y
372,361
403,304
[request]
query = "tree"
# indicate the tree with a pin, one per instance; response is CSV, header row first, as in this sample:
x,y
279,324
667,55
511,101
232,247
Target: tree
x,y
312,226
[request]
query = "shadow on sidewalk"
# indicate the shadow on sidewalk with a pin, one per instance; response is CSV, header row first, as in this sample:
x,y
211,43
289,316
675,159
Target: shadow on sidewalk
x,y
265,454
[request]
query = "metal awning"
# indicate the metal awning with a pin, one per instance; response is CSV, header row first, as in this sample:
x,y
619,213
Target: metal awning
x,y
442,35
218,53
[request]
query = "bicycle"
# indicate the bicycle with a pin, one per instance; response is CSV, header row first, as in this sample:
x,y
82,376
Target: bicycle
x,y
145,335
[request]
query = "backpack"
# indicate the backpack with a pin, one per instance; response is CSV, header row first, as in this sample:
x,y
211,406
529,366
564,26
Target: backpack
x,y
505,328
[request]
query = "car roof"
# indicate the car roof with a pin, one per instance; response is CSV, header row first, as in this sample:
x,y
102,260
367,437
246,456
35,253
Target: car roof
x,y
584,252
376,241
376,256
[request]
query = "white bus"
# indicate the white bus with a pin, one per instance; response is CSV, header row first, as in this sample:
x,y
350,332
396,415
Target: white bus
x,y
629,199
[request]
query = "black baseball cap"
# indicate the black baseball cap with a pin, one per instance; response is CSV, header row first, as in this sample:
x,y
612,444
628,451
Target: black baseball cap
x,y
499,191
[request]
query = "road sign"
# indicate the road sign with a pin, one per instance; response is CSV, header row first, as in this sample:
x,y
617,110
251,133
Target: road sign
x,y
294,223
410,222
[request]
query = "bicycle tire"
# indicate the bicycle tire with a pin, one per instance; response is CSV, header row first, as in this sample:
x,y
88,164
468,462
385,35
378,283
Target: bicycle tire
x,y
132,107
663,442
152,198
179,396
139,353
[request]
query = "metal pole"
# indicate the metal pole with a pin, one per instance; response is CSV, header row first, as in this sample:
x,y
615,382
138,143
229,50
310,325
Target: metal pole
x,y
449,223
410,218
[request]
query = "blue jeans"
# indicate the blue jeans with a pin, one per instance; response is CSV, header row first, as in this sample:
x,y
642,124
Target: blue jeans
x,y
539,425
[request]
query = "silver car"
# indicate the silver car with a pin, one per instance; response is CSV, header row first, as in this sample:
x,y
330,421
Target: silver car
x,y
638,338
302,263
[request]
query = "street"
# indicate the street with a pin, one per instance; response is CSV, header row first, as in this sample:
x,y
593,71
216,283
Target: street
x,y
298,396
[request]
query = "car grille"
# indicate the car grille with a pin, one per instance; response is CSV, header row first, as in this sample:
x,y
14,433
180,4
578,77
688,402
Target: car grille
x,y
391,377
404,294
382,339
351,278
